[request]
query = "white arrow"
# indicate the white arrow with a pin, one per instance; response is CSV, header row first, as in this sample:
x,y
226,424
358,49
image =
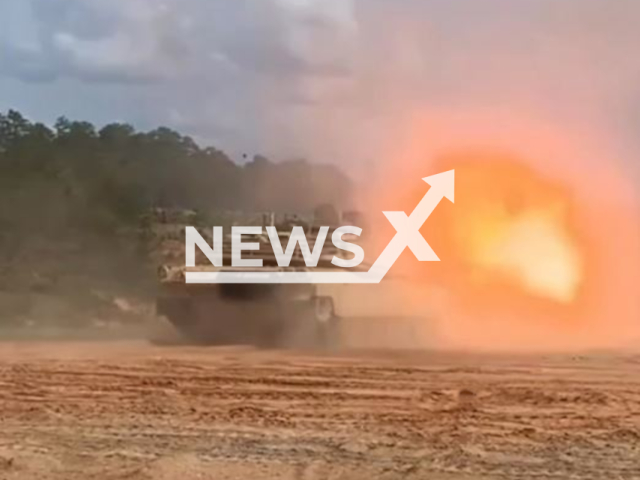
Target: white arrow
x,y
408,228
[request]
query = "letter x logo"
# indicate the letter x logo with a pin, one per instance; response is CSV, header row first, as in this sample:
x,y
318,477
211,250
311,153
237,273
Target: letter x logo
x,y
408,227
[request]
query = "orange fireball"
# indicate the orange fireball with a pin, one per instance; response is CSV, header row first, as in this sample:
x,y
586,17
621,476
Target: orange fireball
x,y
511,234
542,246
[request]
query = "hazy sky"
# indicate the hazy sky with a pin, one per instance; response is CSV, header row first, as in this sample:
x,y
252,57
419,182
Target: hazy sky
x,y
326,79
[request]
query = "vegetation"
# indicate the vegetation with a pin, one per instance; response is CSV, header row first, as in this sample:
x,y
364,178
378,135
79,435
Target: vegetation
x,y
71,197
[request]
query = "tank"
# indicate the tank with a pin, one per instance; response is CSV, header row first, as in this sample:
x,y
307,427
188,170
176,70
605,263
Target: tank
x,y
263,315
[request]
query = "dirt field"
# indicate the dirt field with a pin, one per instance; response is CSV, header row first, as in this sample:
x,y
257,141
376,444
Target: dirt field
x,y
128,410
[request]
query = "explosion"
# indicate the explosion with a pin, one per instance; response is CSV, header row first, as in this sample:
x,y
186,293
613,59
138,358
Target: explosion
x,y
530,258
511,233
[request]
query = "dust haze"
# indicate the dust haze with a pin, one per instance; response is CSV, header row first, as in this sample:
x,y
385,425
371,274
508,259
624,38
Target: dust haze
x,y
551,87
515,356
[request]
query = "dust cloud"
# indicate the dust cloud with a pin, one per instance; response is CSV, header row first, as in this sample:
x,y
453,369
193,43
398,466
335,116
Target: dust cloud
x,y
541,91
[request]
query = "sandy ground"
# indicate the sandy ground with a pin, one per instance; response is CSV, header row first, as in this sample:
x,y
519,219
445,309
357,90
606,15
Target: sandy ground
x,y
129,410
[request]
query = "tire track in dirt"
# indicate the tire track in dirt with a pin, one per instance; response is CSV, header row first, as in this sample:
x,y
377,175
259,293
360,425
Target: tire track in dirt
x,y
377,416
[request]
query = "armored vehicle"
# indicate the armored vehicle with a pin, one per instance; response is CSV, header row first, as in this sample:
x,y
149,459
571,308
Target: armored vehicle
x,y
266,315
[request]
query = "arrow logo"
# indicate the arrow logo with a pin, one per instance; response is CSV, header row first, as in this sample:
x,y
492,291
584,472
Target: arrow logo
x,y
407,236
408,228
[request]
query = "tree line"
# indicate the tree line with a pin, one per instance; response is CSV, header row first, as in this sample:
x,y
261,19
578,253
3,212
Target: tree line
x,y
70,192
76,176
